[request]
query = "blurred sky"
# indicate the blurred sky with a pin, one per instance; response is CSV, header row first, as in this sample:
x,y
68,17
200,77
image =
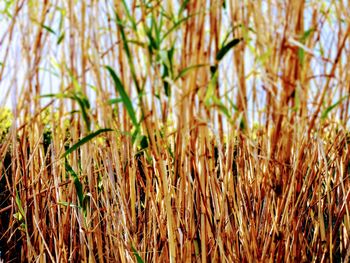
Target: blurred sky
x,y
14,74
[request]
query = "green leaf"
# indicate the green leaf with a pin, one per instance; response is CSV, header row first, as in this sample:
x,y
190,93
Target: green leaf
x,y
211,89
234,106
127,51
60,38
213,69
126,100
144,142
223,51
211,99
182,7
84,107
154,41
82,101
115,101
86,139
170,55
242,124
165,83
19,204
217,102
129,16
187,69
54,95
301,56
153,45
158,29
48,29
78,185
326,111
306,35
138,257
177,24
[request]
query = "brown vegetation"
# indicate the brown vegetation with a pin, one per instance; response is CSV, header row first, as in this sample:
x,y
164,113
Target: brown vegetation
x,y
156,131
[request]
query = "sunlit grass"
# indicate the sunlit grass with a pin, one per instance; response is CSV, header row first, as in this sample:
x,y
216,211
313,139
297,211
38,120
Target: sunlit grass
x,y
174,131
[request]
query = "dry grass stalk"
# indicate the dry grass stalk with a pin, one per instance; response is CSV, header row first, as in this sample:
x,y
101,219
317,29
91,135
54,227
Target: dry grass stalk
x,y
175,131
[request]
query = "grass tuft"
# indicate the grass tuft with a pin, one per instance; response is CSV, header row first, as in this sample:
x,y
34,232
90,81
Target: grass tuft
x,y
218,132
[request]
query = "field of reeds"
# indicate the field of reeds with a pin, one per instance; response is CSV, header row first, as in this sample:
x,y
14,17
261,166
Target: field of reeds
x,y
174,131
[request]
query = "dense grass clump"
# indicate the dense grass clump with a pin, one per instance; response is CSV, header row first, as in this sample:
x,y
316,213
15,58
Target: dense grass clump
x,y
174,131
